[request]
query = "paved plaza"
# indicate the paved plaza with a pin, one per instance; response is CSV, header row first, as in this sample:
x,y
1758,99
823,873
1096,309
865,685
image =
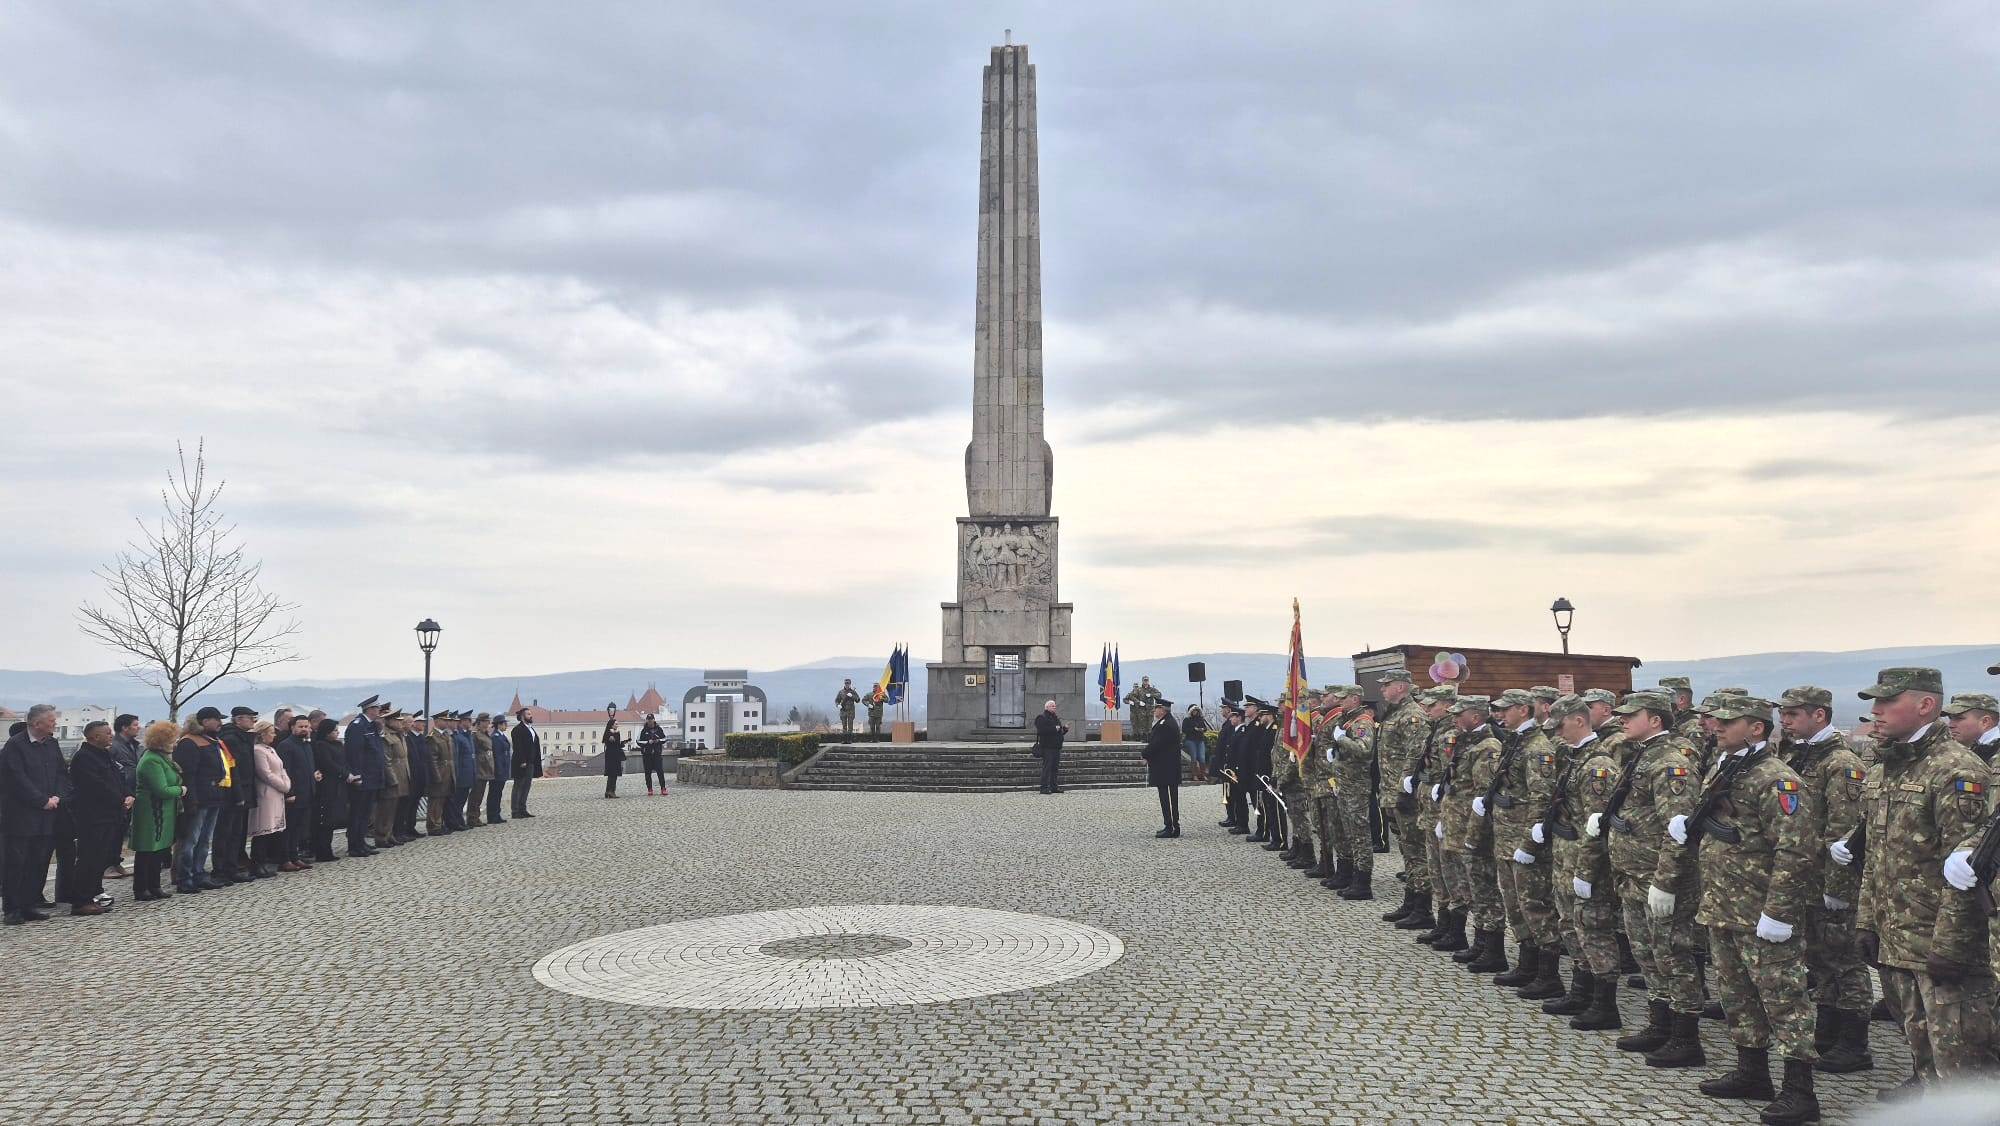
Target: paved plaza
x,y
1195,980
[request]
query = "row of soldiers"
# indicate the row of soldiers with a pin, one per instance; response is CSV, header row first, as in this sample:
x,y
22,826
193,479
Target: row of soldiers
x,y
1745,836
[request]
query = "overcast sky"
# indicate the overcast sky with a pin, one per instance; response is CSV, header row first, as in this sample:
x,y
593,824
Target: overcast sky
x,y
640,334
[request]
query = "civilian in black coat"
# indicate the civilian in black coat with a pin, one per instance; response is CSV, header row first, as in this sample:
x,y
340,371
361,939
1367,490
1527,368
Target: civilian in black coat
x,y
100,795
1163,766
330,796
232,826
33,786
295,750
614,757
1049,732
527,762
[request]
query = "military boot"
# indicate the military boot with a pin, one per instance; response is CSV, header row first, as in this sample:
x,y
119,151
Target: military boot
x,y
1343,874
1276,843
1911,1088
1577,999
1323,867
1495,959
1362,887
1826,1028
1882,1011
1796,1101
1850,1044
1627,964
1300,859
1420,916
1435,932
1653,1035
1751,1078
1683,1046
1473,952
1525,968
1548,983
1602,1014
1451,938
1402,912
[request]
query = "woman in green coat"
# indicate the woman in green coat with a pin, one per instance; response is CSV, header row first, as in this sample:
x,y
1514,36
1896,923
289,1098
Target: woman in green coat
x,y
158,787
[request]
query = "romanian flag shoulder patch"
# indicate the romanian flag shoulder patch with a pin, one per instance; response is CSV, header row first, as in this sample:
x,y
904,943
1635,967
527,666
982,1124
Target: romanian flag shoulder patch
x,y
1602,772
1968,786
1678,772
1856,775
1787,785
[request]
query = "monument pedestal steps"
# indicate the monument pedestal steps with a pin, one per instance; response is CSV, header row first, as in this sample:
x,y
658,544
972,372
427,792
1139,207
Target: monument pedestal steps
x,y
967,768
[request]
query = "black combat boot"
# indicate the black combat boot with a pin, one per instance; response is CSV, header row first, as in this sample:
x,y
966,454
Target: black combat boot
x,y
1495,959
1451,940
1548,983
1435,932
1683,1046
1826,1028
1343,874
1796,1101
1602,1015
1882,1011
1322,868
1525,968
1751,1078
1259,837
1581,984
1299,859
1362,887
1403,910
1911,1088
1850,1044
1473,952
1627,964
1420,917
1276,843
1653,1035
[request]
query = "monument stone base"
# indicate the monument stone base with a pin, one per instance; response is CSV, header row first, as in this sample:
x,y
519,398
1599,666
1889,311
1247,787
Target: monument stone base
x,y
960,713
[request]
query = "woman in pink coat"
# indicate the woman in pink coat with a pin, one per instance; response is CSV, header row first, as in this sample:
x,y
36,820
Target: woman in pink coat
x,y
267,820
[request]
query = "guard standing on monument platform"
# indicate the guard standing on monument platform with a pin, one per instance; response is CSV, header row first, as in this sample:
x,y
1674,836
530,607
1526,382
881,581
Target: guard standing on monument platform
x,y
845,700
1163,766
1140,700
1049,732
876,699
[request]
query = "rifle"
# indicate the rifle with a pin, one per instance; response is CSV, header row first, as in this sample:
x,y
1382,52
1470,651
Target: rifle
x,y
1702,820
1985,861
1857,844
1552,814
1510,746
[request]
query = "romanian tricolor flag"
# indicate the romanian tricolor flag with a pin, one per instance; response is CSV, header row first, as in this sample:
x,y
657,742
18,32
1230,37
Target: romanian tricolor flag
x,y
888,674
1295,727
1107,680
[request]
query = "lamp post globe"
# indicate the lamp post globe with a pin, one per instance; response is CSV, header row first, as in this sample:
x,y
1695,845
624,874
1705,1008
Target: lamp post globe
x,y
1563,613
427,640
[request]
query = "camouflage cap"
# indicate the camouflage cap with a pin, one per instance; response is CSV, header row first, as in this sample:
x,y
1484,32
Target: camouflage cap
x,y
1972,702
1546,692
1806,696
1640,701
1890,683
1513,698
1715,698
1677,684
1567,706
1470,704
1399,673
1599,696
1438,693
1743,707
1344,690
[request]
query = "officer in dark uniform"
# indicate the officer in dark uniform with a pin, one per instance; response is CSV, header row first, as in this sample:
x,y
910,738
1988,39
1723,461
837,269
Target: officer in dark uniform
x,y
1163,765
1228,745
1258,739
367,758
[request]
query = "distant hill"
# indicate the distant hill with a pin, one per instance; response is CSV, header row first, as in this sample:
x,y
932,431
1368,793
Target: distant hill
x,y
1844,673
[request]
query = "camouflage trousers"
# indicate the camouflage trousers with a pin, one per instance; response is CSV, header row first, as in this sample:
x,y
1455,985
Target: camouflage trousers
x,y
1762,987
1354,826
1482,890
1447,873
1325,815
1413,835
1590,926
1299,812
1839,976
1524,889
1949,1027
1664,948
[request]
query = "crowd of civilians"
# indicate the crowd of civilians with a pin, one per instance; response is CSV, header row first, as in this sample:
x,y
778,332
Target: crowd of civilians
x,y
216,802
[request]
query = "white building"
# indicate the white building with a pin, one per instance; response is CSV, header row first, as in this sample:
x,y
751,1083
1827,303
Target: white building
x,y
725,702
578,733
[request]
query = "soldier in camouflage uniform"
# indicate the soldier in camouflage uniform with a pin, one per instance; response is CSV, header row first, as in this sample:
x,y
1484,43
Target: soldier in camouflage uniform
x,y
1833,775
1467,833
1283,776
1354,785
1755,840
1317,773
1141,700
1448,900
1399,743
1687,722
1924,796
1585,895
1657,784
1298,852
1975,723
1525,787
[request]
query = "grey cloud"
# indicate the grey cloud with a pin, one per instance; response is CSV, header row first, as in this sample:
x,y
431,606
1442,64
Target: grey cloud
x,y
1383,535
1792,469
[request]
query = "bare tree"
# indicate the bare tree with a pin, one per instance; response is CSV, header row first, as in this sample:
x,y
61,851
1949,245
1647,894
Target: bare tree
x,y
183,603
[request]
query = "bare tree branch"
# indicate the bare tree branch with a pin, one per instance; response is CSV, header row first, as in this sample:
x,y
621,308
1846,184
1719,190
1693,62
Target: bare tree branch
x,y
183,603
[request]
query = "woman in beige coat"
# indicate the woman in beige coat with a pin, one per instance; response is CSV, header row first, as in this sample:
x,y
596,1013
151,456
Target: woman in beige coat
x,y
267,817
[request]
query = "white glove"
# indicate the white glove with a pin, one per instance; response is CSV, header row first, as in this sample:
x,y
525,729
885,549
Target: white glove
x,y
1523,856
1580,886
1659,903
1833,904
1437,791
1479,806
1678,828
1535,834
1839,851
1958,870
1594,828
1771,930
1410,784
1439,830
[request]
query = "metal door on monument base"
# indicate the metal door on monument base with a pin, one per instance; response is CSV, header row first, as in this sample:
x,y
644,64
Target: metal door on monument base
x,y
1006,691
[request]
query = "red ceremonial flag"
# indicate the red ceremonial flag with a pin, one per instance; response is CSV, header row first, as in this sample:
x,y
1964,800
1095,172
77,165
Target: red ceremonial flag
x,y
1297,723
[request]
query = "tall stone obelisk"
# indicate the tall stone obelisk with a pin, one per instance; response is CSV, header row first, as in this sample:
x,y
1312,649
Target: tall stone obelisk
x,y
1006,639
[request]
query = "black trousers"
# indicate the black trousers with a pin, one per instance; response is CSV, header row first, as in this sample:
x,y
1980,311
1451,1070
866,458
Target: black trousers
x,y
96,846
27,870
1170,805
1051,768
1239,805
493,789
232,836
655,764
521,784
146,869
611,785
322,839
406,816
298,831
360,807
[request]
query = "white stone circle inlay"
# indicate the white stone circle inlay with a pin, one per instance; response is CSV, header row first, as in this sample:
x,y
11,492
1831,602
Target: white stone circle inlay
x,y
899,955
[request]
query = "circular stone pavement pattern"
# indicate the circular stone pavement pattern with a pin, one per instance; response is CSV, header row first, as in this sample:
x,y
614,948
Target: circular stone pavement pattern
x,y
830,957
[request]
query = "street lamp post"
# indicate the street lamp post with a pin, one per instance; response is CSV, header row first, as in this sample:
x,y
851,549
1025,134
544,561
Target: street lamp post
x,y
1563,613
427,640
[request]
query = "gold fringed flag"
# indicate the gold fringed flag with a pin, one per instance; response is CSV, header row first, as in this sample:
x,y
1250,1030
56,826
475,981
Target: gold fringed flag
x,y
1296,728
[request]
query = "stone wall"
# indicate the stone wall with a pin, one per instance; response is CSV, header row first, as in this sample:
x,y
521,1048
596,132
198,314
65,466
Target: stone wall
x,y
738,773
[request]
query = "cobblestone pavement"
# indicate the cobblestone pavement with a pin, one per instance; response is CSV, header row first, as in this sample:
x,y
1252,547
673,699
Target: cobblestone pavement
x,y
402,990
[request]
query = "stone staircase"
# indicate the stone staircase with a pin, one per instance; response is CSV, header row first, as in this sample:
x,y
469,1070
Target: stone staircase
x,y
966,768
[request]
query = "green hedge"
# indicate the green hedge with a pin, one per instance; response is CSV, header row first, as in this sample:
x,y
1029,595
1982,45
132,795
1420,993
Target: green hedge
x,y
788,749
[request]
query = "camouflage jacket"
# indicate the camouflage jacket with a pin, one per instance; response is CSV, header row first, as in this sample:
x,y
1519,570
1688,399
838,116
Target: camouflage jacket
x,y
1921,800
1478,760
1663,784
1524,792
1612,735
1964,910
1833,775
1593,772
1353,767
1318,771
1688,727
1284,768
1768,869
1436,762
1399,741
